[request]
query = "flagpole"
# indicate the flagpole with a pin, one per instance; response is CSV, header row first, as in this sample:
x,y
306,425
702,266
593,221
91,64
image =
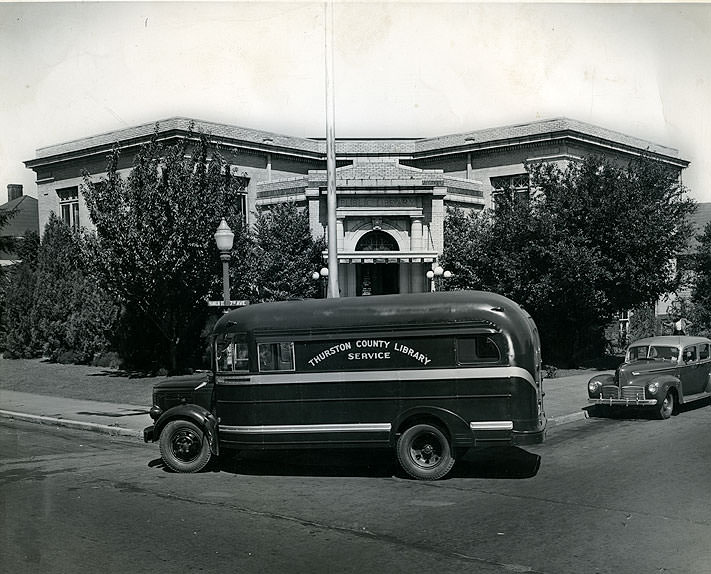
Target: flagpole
x,y
333,290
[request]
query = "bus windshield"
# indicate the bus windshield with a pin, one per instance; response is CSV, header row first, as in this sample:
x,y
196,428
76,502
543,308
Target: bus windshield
x,y
231,352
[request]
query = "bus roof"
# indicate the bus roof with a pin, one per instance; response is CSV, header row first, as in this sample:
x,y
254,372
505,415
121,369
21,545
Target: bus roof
x,y
444,308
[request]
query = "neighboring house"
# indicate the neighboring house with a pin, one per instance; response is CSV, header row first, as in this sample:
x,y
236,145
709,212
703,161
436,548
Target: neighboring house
x,y
26,219
392,193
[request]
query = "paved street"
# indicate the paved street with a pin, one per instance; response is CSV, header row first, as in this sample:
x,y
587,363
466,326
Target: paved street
x,y
600,495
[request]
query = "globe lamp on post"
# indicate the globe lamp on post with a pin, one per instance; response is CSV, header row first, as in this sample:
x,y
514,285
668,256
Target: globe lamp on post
x,y
322,277
224,238
438,271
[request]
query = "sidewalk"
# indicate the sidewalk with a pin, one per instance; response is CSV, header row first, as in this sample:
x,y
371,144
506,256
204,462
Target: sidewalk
x,y
108,418
565,399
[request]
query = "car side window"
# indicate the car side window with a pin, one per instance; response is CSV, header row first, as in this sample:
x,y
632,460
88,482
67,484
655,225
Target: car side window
x,y
703,351
689,354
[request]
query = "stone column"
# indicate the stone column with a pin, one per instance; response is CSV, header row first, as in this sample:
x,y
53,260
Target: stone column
x,y
437,223
340,234
416,233
312,197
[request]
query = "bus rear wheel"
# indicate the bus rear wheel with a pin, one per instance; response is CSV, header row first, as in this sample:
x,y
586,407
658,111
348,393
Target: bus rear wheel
x,y
184,447
424,452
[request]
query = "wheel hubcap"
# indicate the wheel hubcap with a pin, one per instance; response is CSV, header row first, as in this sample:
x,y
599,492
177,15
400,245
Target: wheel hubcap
x,y
426,451
186,445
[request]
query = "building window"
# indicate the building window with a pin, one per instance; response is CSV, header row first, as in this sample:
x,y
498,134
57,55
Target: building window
x,y
377,241
519,185
623,324
69,206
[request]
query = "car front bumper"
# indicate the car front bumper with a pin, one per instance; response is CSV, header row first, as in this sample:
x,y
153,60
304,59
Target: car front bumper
x,y
625,402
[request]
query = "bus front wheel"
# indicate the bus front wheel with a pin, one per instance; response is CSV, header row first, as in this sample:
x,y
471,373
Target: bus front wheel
x,y
424,452
184,447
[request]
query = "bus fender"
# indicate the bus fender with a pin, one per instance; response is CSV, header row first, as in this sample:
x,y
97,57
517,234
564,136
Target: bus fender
x,y
456,427
194,413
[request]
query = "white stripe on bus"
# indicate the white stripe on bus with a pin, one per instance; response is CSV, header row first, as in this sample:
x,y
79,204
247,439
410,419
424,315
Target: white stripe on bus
x,y
491,425
267,429
282,378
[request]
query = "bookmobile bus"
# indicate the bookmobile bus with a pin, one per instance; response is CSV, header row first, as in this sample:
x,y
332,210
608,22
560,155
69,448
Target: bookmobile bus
x,y
429,375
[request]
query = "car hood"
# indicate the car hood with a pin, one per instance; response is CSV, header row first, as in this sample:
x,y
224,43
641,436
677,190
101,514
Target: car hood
x,y
630,371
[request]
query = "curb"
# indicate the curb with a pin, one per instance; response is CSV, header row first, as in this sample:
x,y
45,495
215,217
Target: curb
x,y
135,434
80,425
564,419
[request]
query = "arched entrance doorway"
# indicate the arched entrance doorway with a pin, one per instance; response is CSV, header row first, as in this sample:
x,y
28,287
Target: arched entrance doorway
x,y
377,278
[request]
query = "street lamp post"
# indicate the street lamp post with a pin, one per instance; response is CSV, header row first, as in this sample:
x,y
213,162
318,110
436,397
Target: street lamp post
x,y
224,239
437,272
321,276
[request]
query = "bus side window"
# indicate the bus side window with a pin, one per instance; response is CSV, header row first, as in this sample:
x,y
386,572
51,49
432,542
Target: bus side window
x,y
241,353
276,356
477,349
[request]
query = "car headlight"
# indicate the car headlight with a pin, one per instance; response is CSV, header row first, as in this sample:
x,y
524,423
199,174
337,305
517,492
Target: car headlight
x,y
594,387
653,388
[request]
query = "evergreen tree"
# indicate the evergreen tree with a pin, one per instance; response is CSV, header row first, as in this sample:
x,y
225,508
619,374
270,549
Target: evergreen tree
x,y
72,317
16,332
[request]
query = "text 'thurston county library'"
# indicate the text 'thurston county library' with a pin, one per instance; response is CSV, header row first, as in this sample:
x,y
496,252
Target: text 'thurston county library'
x,y
392,193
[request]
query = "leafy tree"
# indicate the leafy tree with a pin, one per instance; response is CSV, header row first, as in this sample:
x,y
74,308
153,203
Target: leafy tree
x,y
701,288
592,239
155,248
16,332
285,254
7,243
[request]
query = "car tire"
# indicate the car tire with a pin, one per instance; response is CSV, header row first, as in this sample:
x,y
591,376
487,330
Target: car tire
x,y
666,407
424,452
184,447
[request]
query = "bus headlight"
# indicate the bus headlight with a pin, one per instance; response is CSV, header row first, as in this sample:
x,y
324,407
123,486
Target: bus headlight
x,y
653,388
594,387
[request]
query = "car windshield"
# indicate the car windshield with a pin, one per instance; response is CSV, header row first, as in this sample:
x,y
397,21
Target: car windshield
x,y
653,352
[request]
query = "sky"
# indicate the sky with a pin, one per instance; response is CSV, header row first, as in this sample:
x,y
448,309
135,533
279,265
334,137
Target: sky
x,y
69,70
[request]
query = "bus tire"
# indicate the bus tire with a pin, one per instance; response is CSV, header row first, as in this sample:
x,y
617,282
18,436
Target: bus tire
x,y
424,452
184,447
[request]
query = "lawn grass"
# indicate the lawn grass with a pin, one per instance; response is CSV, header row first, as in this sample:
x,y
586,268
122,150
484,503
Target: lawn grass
x,y
41,377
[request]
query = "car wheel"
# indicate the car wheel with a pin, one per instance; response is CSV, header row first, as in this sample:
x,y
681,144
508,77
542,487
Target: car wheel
x,y
183,446
424,452
666,407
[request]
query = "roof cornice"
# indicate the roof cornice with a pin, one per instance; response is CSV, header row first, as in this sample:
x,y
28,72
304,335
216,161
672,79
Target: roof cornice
x,y
258,141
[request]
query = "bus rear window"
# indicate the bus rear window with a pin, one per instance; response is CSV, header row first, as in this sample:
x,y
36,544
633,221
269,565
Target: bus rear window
x,y
478,349
276,356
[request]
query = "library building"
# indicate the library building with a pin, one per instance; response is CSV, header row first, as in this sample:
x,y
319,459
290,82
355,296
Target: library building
x,y
392,194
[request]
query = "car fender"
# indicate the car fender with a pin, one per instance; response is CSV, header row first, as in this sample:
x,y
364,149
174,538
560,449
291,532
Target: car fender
x,y
457,428
194,413
604,378
665,383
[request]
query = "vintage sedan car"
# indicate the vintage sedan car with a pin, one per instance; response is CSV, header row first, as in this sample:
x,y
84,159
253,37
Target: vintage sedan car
x,y
659,373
